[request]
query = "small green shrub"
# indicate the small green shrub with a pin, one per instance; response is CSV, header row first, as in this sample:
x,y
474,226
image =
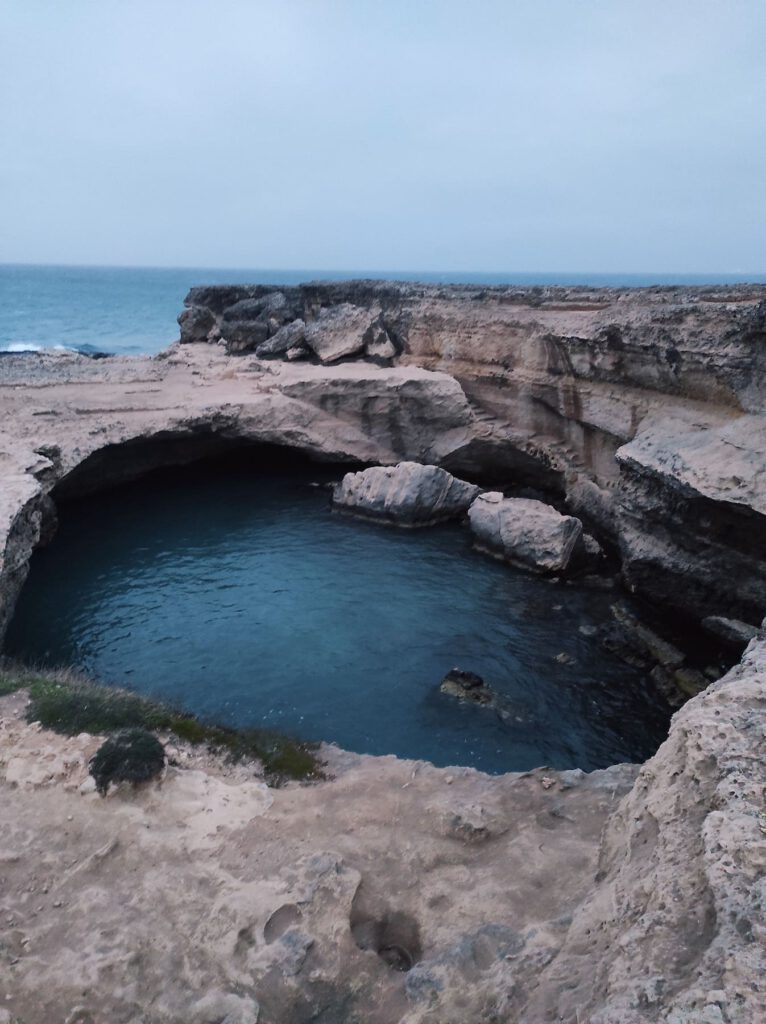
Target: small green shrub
x,y
70,704
132,755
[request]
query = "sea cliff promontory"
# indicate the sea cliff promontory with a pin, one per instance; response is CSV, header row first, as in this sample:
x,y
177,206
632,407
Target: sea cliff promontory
x,y
394,891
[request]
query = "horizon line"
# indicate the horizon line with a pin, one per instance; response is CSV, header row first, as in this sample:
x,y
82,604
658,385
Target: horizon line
x,y
387,271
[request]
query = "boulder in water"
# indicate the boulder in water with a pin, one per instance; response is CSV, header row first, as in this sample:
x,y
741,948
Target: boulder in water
x,y
525,531
408,494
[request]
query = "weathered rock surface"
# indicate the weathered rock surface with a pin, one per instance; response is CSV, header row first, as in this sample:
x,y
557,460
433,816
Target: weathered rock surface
x,y
466,686
408,494
547,896
562,379
343,330
524,531
613,897
692,515
77,424
288,336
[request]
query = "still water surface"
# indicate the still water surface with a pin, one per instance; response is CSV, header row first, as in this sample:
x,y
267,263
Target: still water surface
x,y
245,599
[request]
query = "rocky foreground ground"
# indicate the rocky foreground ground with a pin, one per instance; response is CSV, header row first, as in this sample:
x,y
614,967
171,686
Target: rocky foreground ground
x,y
394,891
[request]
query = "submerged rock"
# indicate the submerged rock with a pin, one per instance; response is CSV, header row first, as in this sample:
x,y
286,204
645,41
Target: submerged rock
x,y
731,631
467,686
408,494
637,644
525,531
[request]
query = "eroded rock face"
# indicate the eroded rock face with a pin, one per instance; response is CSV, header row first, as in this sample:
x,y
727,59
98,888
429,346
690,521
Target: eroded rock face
x,y
547,896
408,494
561,380
524,531
141,414
692,516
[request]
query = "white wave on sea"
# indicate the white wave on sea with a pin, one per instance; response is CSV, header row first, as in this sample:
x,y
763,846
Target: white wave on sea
x,y
28,346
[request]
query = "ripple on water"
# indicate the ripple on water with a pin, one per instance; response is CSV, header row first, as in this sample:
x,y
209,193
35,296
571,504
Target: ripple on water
x,y
250,602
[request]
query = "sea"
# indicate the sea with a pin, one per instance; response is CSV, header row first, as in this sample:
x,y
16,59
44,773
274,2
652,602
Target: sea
x,y
133,310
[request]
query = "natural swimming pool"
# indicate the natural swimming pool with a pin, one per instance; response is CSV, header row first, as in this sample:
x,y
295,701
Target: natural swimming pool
x,y
237,593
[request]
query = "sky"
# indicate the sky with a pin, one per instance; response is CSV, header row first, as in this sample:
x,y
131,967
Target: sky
x,y
480,135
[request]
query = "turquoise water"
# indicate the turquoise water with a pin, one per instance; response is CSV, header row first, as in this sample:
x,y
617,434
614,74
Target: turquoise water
x,y
239,595
134,310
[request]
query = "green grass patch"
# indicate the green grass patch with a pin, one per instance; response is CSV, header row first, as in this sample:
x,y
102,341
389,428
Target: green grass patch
x,y
70,704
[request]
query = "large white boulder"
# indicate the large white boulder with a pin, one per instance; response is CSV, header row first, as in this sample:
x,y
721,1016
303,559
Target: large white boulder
x,y
340,332
408,494
524,531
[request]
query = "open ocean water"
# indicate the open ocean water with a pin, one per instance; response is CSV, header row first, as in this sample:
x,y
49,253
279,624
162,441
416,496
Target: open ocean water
x,y
133,310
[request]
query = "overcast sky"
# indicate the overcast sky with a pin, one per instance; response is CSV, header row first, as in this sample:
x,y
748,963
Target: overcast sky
x,y
506,135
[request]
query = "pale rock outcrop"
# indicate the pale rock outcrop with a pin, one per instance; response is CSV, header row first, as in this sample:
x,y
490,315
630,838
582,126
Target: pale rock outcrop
x,y
339,331
524,531
691,515
408,494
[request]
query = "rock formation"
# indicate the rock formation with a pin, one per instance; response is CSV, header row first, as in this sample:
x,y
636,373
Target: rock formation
x,y
408,494
395,892
398,893
643,408
143,413
524,531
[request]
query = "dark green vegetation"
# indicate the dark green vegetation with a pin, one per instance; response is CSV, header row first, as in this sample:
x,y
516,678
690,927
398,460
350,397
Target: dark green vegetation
x,y
70,704
130,755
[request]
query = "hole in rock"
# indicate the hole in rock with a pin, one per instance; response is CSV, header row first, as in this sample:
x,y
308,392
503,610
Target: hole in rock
x,y
395,937
231,589
284,917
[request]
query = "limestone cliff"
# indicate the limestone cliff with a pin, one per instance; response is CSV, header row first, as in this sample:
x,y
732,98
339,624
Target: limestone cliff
x,y
643,407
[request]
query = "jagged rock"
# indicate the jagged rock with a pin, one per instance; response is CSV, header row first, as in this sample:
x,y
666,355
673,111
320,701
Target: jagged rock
x,y
249,322
732,631
195,322
408,494
378,345
287,337
692,516
591,547
525,531
339,331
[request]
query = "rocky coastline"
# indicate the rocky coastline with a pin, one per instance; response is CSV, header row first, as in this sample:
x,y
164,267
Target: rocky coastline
x,y
615,897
